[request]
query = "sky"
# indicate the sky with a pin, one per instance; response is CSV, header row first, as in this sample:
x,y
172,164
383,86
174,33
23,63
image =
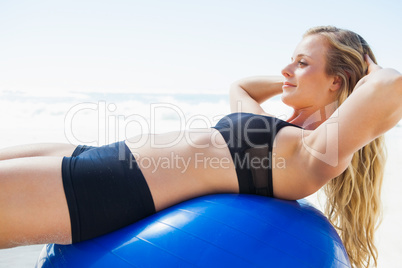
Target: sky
x,y
52,47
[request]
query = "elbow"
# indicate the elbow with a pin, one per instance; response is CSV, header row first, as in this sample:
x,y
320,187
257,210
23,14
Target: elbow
x,y
385,99
394,100
393,84
234,87
398,85
237,84
235,91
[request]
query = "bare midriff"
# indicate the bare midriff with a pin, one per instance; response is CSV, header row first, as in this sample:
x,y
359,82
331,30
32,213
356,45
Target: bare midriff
x,y
184,164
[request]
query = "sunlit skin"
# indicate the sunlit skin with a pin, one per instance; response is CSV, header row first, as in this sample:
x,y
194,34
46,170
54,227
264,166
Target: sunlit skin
x,y
307,88
33,206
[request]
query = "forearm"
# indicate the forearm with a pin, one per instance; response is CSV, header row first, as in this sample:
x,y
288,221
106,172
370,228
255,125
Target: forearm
x,y
373,108
260,88
252,91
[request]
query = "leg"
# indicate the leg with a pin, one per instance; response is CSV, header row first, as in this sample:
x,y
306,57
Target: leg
x,y
33,207
41,149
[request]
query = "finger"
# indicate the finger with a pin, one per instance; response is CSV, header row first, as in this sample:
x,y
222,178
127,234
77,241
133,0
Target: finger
x,y
372,66
368,60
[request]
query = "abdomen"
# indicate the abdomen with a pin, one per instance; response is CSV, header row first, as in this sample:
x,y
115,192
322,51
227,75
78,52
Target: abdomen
x,y
185,164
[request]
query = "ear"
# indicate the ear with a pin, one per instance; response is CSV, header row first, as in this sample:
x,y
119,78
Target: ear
x,y
336,83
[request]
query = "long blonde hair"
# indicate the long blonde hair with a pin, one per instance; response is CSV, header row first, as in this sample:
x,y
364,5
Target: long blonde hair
x,y
353,199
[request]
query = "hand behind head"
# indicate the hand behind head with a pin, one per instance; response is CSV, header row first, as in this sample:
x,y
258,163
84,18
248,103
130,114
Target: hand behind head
x,y
372,67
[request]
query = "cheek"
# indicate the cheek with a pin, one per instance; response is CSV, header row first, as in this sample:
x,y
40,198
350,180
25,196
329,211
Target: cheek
x,y
294,97
314,78
312,84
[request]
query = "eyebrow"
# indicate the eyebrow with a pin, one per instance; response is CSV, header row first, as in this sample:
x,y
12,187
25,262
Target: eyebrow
x,y
301,55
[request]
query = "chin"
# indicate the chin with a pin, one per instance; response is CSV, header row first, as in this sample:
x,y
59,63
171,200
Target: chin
x,y
296,101
288,100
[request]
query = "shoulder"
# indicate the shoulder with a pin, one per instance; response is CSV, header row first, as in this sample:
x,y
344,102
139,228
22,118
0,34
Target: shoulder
x,y
288,178
297,171
267,114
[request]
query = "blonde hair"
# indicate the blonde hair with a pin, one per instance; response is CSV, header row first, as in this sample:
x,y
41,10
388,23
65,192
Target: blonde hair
x,y
353,199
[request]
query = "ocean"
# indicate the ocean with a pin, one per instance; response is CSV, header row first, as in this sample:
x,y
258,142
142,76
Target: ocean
x,y
98,118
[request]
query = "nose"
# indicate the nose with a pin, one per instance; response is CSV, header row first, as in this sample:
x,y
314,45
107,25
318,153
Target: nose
x,y
286,71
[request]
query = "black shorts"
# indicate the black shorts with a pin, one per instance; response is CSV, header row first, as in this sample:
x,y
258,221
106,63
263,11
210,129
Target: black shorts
x,y
105,190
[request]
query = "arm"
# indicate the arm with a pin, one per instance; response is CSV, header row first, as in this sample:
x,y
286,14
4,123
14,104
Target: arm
x,y
247,94
374,107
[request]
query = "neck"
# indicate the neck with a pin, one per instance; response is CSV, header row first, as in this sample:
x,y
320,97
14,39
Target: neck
x,y
311,117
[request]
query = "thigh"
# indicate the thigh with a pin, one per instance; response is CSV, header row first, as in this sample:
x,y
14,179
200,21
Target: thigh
x,y
33,207
40,149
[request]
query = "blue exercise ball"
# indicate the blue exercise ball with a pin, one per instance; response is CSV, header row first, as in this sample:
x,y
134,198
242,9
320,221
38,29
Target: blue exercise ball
x,y
225,230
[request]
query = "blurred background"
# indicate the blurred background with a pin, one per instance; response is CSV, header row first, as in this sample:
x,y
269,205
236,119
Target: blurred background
x,y
92,72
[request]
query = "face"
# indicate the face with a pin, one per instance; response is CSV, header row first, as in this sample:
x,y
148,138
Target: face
x,y
306,83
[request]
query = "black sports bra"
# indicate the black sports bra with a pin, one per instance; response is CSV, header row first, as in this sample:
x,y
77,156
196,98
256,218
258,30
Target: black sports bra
x,y
250,139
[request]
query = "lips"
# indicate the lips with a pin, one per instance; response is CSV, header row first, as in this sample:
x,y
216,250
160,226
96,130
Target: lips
x,y
288,84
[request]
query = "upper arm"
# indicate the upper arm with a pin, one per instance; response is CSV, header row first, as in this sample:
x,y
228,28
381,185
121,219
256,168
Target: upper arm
x,y
247,94
241,101
371,110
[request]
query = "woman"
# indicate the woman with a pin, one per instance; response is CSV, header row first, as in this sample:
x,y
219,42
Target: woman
x,y
55,193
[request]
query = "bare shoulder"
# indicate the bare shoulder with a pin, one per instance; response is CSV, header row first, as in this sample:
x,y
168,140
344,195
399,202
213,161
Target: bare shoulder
x,y
295,169
267,114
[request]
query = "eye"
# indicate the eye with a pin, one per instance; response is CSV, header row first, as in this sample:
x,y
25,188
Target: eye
x,y
301,63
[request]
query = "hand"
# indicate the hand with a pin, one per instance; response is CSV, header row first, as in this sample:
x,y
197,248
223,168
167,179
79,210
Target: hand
x,y
372,67
378,75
